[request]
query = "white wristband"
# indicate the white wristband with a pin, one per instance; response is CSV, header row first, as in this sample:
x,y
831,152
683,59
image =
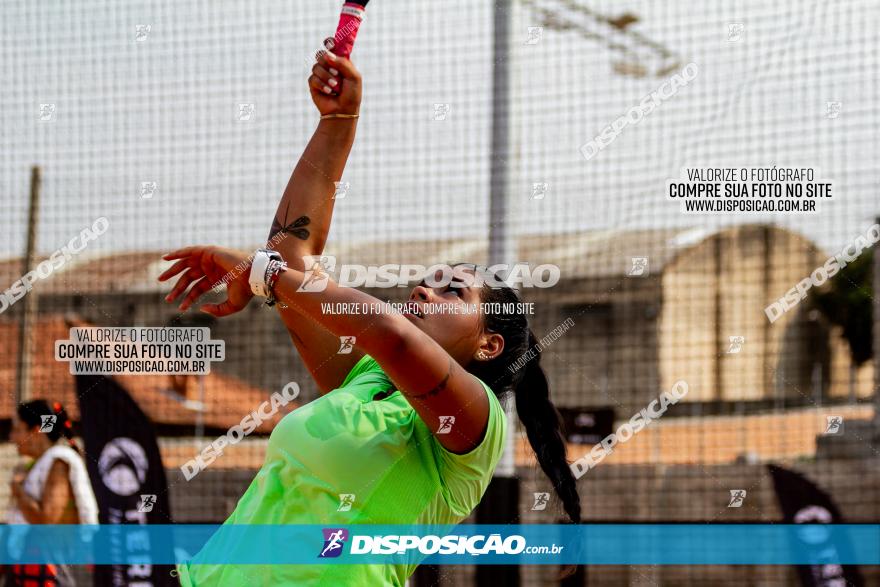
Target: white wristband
x,y
257,277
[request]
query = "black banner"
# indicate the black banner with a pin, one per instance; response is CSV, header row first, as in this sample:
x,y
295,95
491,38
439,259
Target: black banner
x,y
126,472
802,502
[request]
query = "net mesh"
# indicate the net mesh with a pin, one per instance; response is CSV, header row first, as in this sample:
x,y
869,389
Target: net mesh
x,y
181,123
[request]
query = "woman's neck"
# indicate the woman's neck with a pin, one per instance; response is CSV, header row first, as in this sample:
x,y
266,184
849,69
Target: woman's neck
x,y
41,448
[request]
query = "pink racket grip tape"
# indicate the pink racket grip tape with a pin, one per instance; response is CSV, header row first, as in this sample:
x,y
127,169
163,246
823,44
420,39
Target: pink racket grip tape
x,y
346,31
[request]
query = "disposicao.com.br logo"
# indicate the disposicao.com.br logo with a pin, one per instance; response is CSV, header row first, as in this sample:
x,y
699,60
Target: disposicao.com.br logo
x,y
450,544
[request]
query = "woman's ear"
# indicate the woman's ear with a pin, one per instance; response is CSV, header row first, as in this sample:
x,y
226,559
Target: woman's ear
x,y
492,344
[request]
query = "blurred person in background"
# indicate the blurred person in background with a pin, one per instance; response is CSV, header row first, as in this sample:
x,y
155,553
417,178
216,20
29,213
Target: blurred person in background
x,y
52,487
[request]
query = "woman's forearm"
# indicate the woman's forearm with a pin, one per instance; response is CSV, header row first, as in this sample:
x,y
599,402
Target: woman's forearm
x,y
430,379
302,220
27,505
57,493
377,331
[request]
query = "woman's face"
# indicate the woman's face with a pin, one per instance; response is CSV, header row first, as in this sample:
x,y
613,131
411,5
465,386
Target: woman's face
x,y
454,319
24,437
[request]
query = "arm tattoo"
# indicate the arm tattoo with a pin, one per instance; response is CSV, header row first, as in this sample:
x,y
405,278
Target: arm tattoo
x,y
437,388
295,228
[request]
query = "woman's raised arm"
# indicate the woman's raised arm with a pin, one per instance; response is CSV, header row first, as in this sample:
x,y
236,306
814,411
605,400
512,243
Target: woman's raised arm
x,y
302,221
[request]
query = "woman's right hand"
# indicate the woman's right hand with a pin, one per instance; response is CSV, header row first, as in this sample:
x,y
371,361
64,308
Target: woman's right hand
x,y
335,84
208,267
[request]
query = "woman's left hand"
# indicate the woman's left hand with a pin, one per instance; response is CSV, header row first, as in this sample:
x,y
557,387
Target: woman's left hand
x,y
207,267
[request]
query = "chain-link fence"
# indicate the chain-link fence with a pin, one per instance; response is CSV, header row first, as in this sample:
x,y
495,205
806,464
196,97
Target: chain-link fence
x,y
157,125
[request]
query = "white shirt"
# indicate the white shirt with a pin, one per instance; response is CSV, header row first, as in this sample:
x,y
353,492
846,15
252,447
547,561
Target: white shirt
x,y
35,483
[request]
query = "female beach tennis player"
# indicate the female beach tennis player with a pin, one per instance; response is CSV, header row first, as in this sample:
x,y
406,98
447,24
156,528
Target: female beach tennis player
x,y
379,433
52,488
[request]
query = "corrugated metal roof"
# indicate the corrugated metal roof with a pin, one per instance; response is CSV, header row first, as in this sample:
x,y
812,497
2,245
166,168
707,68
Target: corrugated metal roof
x,y
589,254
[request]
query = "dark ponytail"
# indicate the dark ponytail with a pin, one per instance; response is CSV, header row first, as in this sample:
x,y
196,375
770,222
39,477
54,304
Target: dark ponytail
x,y
544,431
528,383
31,413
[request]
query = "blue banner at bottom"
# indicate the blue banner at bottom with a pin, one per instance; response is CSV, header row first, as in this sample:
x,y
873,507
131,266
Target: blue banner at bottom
x,y
591,544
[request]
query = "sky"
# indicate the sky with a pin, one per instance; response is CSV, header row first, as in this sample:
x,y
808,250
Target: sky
x,y
163,107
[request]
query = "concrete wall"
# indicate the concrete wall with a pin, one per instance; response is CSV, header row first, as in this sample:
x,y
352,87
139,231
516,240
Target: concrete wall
x,y
720,288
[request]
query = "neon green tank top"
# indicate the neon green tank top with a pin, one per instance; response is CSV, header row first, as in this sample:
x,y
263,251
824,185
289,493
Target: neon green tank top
x,y
381,454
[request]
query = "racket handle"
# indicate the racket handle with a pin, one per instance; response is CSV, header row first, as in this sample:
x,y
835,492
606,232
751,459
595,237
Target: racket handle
x,y
346,30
